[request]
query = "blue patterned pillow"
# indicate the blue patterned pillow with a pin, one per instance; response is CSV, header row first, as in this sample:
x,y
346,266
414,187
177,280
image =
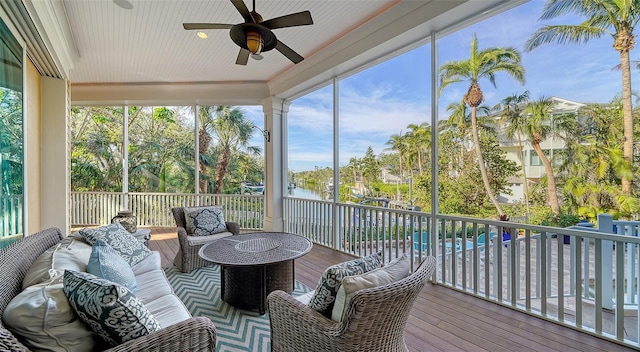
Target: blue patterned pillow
x,y
107,264
325,295
110,310
121,240
204,221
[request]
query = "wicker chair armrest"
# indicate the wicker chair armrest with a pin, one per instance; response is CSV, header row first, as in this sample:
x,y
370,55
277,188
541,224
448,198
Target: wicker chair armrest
x,y
194,334
297,320
233,227
182,233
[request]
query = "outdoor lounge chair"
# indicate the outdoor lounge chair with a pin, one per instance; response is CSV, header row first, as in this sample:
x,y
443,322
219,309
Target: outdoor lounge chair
x,y
187,258
374,320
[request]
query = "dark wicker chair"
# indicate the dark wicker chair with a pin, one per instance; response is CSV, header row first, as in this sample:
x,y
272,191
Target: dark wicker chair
x,y
194,334
187,258
374,321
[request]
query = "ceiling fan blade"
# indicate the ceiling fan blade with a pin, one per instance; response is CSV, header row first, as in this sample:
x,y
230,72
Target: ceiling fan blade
x,y
190,26
244,11
243,57
289,53
295,19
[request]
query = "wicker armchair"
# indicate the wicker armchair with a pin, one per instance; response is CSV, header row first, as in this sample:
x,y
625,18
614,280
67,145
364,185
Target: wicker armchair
x,y
194,334
187,258
374,321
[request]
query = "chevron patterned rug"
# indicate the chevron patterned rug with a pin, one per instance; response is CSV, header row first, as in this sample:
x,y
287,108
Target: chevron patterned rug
x,y
237,330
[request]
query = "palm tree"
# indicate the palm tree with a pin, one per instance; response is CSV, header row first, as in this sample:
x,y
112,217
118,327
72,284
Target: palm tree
x,y
481,64
539,124
398,143
459,123
232,131
513,116
595,163
207,115
617,18
418,140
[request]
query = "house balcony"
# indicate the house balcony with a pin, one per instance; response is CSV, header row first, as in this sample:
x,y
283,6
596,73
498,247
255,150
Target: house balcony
x,y
531,287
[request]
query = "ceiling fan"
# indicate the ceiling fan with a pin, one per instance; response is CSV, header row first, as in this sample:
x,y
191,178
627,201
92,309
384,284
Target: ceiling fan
x,y
254,36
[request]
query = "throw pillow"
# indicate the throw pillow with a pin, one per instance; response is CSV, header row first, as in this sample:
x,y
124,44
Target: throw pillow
x,y
71,253
43,319
394,271
107,264
110,310
204,221
327,289
121,240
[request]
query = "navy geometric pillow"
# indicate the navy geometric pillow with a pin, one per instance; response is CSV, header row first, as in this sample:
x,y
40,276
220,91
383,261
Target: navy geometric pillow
x,y
325,295
110,310
204,221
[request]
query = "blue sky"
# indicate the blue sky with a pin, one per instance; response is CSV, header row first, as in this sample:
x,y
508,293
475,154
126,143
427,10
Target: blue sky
x,y
384,99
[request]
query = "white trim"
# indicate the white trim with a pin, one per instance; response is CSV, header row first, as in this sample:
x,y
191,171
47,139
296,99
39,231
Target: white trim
x,y
50,19
25,141
125,157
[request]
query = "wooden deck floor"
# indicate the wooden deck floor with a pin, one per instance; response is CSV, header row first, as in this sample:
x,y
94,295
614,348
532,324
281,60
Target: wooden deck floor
x,y
443,319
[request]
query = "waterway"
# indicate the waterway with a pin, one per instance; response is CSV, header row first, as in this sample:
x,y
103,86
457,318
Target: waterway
x,y
308,193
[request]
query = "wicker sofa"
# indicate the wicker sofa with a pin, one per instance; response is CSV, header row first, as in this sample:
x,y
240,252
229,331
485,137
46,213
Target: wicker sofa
x,y
185,334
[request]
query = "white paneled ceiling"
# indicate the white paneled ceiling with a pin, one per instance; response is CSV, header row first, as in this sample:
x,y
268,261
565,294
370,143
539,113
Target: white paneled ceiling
x,y
113,55
149,44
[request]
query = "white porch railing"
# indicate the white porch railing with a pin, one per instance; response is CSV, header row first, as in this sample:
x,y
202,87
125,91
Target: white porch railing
x,y
154,209
588,281
529,268
10,219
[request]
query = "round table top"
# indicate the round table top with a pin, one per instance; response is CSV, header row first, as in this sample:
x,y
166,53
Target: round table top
x,y
258,248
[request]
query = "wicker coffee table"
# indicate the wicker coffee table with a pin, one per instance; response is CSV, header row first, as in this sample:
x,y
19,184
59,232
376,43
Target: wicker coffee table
x,y
254,264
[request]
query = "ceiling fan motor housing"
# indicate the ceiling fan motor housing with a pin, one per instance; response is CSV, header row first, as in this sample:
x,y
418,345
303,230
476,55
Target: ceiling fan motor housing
x,y
238,34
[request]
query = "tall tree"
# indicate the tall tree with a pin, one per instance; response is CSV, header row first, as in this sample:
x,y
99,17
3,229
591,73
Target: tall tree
x,y
539,124
515,120
481,64
459,125
594,164
398,143
207,115
370,166
418,140
232,131
617,18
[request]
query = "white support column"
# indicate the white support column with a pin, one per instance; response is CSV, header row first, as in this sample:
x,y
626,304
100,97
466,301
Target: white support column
x,y
275,176
55,178
336,160
196,133
125,157
434,145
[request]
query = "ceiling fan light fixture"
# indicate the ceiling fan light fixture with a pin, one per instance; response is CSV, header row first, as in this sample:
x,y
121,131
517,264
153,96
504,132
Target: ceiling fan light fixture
x,y
254,42
202,35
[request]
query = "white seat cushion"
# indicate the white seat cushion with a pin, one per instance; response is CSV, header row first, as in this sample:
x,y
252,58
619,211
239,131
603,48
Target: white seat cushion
x,y
168,310
152,285
151,262
198,240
